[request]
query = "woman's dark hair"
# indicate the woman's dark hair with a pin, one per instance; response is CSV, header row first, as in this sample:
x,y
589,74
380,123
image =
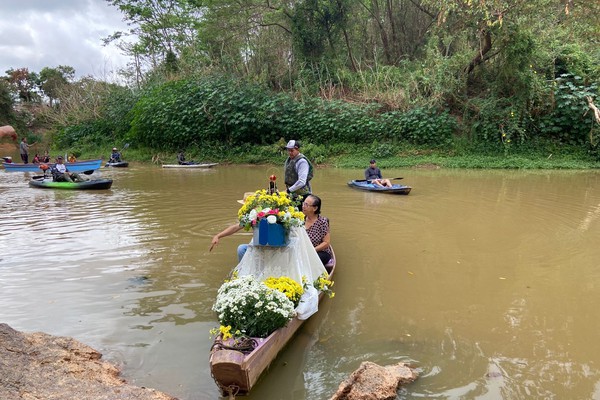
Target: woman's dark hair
x,y
316,203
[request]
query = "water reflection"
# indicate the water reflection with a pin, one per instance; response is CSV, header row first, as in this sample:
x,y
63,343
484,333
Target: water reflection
x,y
485,281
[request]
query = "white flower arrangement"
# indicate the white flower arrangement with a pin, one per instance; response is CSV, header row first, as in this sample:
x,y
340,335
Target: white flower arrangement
x,y
251,307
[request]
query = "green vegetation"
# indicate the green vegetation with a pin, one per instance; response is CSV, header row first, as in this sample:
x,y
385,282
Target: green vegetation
x,y
454,84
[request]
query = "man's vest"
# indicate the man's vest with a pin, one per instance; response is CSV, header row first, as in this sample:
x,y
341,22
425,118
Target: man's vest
x,y
291,175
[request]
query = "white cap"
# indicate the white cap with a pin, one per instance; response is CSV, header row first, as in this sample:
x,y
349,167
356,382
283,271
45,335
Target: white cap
x,y
293,144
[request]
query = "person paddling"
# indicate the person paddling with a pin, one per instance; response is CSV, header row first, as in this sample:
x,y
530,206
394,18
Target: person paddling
x,y
373,175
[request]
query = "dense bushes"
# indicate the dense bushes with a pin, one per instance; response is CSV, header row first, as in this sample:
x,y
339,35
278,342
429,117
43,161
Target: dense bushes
x,y
193,112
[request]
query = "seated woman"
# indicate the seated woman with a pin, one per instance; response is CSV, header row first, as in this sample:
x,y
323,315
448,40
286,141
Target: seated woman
x,y
317,227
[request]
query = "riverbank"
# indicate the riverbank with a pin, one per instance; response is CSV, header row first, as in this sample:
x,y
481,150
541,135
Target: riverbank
x,y
42,366
349,155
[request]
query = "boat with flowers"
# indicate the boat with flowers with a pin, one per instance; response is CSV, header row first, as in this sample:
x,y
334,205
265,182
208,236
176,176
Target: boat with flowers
x,y
236,365
274,289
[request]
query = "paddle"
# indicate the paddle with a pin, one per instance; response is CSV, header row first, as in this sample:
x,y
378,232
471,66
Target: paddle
x,y
369,180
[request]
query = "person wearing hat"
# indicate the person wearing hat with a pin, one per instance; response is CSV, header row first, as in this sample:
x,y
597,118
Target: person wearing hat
x,y
298,170
373,175
115,156
61,174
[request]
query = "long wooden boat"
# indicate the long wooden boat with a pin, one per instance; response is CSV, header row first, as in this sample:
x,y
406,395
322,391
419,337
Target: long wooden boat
x,y
77,166
366,185
200,166
235,372
48,183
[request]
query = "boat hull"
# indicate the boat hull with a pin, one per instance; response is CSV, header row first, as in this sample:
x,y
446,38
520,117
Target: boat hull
x,y
122,164
197,166
366,186
48,183
77,166
236,372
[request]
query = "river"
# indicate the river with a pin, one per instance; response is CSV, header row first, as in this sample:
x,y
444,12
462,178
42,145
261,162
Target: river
x,y
487,282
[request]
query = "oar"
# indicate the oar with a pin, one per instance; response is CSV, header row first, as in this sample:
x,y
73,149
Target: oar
x,y
369,180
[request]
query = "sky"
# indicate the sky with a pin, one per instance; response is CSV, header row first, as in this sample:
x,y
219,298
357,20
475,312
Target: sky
x,y
47,33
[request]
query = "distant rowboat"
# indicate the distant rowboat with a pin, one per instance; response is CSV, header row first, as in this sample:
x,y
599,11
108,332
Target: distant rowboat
x,y
77,166
205,165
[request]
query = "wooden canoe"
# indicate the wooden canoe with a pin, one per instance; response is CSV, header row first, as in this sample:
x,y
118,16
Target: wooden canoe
x,y
236,373
366,185
200,166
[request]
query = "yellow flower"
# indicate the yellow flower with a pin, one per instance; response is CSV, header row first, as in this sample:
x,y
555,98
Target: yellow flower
x,y
287,286
225,331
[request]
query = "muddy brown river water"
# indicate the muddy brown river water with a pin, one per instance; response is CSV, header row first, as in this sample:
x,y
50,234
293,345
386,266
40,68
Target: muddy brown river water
x,y
487,282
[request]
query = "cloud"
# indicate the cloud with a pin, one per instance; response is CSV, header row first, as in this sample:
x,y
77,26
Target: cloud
x,y
45,33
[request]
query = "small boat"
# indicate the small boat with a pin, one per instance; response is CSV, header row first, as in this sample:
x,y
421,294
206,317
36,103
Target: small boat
x,y
203,165
48,183
77,166
371,187
235,372
120,164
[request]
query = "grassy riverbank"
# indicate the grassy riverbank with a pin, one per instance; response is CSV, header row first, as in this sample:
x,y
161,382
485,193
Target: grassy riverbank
x,y
358,156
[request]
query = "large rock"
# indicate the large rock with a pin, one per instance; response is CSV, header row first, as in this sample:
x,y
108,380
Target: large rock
x,y
40,366
374,382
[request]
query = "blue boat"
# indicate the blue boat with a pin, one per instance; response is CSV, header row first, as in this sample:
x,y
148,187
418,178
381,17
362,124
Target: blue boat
x,y
371,187
77,166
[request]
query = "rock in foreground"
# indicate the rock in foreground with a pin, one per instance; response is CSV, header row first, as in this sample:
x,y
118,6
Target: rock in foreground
x,y
42,366
374,382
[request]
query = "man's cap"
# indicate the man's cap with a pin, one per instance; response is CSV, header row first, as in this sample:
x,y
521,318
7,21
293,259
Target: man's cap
x,y
293,144
372,161
114,148
246,195
59,158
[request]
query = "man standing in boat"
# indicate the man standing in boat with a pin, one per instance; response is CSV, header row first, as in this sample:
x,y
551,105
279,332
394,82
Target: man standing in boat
x,y
298,171
373,175
24,147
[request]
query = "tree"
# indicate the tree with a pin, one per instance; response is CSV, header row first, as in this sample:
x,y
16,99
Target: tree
x,y
51,80
24,84
6,102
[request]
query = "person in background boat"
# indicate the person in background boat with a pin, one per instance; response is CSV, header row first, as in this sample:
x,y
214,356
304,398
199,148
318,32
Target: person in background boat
x,y
181,159
115,156
24,148
373,175
72,158
36,159
298,171
317,227
61,174
46,157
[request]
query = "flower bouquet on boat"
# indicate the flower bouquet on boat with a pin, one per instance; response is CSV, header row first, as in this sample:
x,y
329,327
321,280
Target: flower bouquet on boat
x,y
276,286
